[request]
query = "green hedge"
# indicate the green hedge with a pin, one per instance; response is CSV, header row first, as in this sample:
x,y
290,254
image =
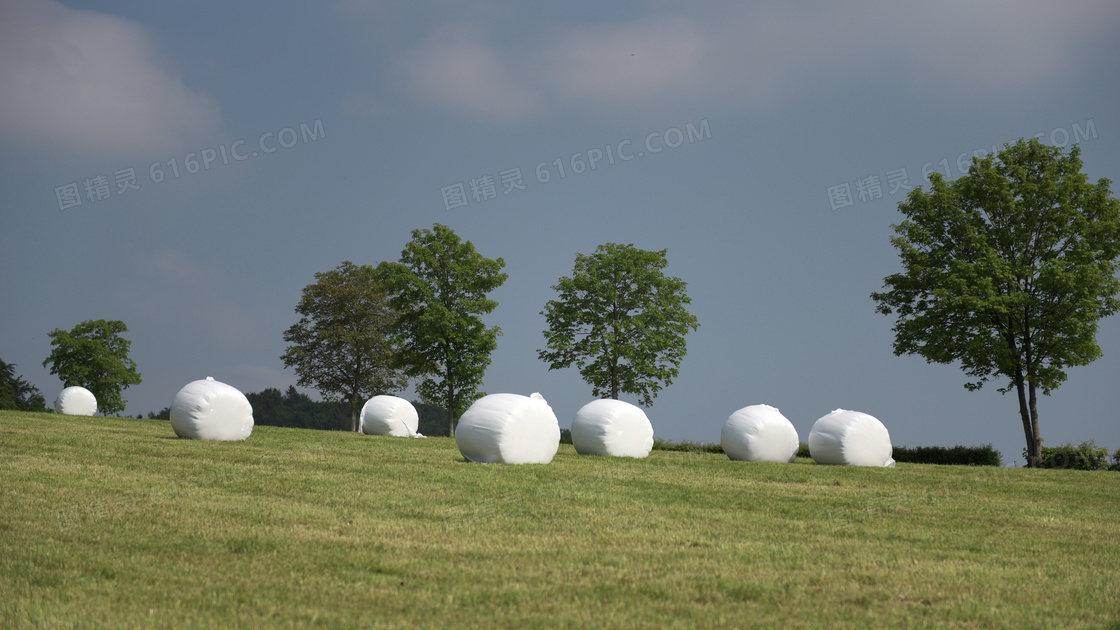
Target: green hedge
x,y
957,455
951,456
1084,456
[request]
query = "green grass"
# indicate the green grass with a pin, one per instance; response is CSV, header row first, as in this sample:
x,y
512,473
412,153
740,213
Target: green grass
x,y
108,522
686,447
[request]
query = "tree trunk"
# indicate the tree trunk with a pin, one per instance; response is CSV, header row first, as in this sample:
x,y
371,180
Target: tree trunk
x,y
614,376
614,353
1025,416
353,412
450,404
1034,445
1036,453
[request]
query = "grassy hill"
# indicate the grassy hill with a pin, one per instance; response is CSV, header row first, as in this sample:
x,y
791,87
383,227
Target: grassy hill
x,y
108,522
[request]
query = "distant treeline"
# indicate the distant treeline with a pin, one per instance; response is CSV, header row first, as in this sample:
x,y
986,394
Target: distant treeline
x,y
957,455
297,410
293,409
952,456
1084,456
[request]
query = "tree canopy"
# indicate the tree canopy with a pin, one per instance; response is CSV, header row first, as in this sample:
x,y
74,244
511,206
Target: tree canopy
x,y
343,343
621,321
1007,270
16,393
93,355
439,286
291,408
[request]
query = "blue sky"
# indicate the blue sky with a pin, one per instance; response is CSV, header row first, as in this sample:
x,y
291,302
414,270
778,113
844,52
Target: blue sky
x,y
225,152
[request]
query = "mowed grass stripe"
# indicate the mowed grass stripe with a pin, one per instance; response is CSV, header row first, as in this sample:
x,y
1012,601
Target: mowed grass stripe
x,y
110,522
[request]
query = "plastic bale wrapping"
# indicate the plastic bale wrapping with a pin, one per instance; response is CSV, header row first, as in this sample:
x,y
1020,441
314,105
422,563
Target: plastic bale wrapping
x,y
508,429
850,438
389,415
612,427
211,410
75,401
759,433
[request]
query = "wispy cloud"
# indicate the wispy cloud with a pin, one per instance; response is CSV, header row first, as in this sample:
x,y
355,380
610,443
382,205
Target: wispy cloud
x,y
630,62
457,67
757,53
86,83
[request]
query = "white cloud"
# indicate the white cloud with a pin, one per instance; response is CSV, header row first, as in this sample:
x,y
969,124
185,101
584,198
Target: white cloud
x,y
87,83
457,67
760,53
999,44
638,60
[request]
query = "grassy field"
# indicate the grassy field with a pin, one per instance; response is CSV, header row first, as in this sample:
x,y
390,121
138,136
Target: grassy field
x,y
108,522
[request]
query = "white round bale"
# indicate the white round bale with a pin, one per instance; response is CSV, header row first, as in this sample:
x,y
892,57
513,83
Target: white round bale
x,y
612,427
850,438
508,429
75,401
389,415
211,410
759,433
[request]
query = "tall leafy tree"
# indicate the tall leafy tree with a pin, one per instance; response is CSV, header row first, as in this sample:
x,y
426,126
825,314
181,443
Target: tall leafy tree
x,y
440,286
343,343
16,393
94,355
621,321
1007,270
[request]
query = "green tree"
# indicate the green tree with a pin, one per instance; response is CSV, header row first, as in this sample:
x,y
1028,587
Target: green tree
x,y
16,393
621,321
343,344
440,286
93,355
294,409
165,413
1007,270
432,419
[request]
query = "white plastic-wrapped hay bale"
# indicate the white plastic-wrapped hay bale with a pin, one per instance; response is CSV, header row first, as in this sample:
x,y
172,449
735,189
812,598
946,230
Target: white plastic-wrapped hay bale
x,y
508,429
759,433
389,415
850,438
211,410
612,427
75,401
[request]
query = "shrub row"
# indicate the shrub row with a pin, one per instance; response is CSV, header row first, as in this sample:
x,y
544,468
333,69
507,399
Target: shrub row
x,y
687,447
984,455
1084,456
957,455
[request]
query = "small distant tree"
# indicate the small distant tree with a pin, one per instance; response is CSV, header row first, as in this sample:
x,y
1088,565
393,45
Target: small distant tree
x,y
165,413
1007,270
343,344
94,355
621,320
295,409
16,393
439,287
432,419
